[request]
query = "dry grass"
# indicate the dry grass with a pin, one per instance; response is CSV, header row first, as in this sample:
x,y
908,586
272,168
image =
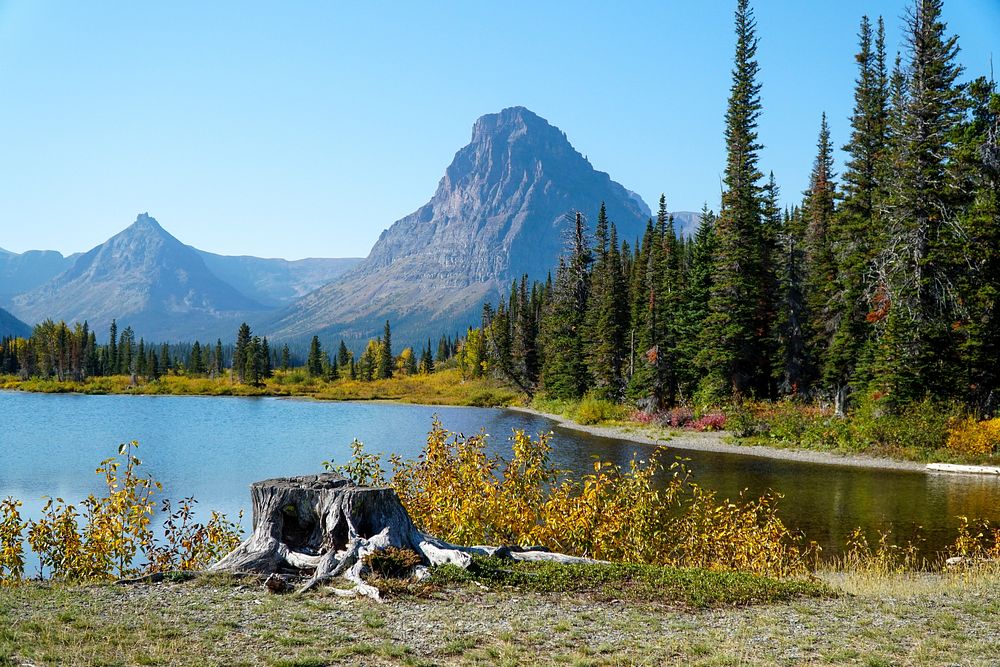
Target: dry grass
x,y
446,387
884,621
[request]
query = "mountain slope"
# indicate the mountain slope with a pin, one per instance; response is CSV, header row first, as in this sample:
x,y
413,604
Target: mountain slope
x,y
500,211
276,282
26,271
11,326
145,278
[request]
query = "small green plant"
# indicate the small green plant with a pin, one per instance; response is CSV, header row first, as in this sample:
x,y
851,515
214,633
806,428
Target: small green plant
x,y
392,562
363,469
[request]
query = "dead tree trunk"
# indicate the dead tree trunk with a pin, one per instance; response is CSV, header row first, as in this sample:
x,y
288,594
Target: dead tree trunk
x,y
323,526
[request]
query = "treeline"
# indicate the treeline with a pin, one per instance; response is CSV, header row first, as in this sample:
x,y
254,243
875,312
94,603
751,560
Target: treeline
x,y
62,352
883,281
377,361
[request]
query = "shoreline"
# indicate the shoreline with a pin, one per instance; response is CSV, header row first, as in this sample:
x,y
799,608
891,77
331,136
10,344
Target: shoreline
x,y
714,442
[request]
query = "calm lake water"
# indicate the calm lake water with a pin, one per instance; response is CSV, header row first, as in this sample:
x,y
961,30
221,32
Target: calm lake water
x,y
213,448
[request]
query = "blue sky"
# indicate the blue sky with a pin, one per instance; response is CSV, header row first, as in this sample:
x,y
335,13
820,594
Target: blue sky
x,y
304,129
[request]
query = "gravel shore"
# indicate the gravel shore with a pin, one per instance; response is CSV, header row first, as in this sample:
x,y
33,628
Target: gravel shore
x,y
720,441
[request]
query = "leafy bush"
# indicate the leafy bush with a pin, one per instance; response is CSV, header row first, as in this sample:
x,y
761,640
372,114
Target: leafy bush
x,y
593,410
456,491
11,543
105,539
975,438
712,421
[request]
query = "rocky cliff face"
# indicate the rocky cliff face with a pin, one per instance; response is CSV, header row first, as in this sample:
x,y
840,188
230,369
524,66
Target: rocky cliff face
x,y
145,278
500,211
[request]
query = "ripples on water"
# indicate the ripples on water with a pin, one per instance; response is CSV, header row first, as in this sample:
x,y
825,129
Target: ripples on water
x,y
213,448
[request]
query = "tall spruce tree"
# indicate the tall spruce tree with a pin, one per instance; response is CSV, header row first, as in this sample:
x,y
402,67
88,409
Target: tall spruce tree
x,y
564,374
854,234
818,208
385,361
732,344
243,339
606,315
922,249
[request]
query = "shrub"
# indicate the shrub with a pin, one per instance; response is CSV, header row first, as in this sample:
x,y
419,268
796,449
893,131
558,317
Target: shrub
x,y
11,543
593,410
104,540
392,562
975,438
712,421
456,491
676,417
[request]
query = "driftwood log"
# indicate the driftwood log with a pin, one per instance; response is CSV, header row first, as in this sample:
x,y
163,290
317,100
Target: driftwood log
x,y
323,526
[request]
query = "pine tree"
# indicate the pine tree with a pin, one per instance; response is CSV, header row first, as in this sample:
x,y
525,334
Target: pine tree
x,y
854,226
917,349
112,357
564,374
385,358
606,317
820,263
427,359
314,362
732,345
286,360
343,354
694,303
794,370
243,340
218,356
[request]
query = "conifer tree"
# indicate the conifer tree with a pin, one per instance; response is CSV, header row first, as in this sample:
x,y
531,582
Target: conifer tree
x,y
605,316
820,264
243,339
385,358
112,356
314,362
732,346
694,303
921,249
564,374
286,360
854,234
218,356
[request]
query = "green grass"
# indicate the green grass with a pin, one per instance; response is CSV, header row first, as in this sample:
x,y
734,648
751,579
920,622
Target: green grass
x,y
649,583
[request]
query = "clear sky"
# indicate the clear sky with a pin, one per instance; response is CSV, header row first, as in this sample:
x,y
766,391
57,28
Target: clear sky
x,y
297,129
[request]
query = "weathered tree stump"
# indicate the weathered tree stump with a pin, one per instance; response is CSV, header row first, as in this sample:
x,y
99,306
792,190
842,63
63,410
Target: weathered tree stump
x,y
322,526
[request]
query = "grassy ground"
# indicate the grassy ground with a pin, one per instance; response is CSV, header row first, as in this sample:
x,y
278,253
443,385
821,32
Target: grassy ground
x,y
483,620
446,387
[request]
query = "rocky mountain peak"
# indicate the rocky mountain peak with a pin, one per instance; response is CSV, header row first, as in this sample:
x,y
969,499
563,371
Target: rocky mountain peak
x,y
500,211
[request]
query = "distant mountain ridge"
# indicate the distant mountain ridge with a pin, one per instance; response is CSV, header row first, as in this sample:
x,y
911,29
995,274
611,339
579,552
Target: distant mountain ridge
x,y
146,278
11,326
21,272
276,282
499,211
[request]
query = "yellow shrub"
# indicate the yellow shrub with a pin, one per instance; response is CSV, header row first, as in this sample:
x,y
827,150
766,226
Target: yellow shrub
x,y
975,437
455,491
11,545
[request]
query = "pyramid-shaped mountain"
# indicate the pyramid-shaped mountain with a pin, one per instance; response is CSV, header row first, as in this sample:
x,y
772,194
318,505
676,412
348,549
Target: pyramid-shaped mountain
x,y
502,209
147,279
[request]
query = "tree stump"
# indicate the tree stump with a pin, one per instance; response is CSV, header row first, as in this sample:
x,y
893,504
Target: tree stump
x,y
323,526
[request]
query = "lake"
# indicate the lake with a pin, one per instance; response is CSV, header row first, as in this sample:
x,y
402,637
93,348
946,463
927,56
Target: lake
x,y
213,448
